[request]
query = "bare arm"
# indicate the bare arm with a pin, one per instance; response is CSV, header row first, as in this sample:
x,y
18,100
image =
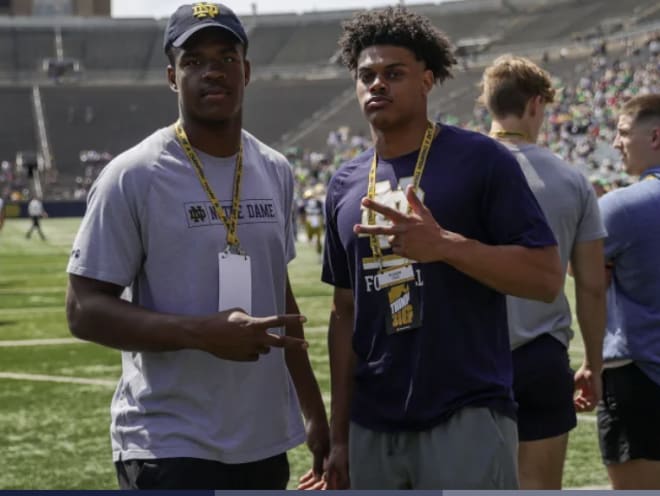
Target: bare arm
x,y
342,365
96,313
533,273
587,261
309,394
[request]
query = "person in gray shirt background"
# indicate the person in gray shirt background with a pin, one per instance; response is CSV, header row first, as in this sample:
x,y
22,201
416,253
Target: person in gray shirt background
x,y
516,92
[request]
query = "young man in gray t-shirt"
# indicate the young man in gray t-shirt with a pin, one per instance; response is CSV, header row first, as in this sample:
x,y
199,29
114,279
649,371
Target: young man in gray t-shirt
x,y
516,92
181,263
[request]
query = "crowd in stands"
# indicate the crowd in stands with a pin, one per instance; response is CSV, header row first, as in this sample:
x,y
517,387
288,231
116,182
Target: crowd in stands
x,y
580,127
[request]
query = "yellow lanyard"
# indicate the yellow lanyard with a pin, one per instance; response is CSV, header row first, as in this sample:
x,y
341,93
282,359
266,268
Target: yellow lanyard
x,y
230,223
417,176
509,134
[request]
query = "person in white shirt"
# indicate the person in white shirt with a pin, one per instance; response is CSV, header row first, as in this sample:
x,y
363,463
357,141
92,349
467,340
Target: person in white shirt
x,y
36,212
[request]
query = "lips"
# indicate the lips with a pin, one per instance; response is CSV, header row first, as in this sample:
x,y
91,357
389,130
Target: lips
x,y
215,92
377,102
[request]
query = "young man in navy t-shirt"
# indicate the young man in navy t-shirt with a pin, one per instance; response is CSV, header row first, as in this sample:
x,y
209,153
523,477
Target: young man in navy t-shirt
x,y
418,340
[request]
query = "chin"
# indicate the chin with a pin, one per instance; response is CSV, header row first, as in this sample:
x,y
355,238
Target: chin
x,y
378,120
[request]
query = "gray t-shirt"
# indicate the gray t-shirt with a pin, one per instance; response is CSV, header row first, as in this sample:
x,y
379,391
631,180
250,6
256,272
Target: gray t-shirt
x,y
571,208
150,227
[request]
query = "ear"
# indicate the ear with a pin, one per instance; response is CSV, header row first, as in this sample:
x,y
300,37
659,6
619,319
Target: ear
x,y
247,71
428,80
171,78
534,105
655,138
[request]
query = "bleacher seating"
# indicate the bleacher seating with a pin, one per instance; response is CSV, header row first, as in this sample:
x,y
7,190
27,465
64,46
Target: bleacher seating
x,y
299,49
104,118
274,107
297,94
117,46
17,129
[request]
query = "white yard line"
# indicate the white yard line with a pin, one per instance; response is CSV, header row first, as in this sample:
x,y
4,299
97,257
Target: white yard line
x,y
587,418
5,312
39,342
59,379
31,290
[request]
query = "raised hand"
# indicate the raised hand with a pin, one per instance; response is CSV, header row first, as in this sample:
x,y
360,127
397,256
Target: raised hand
x,y
416,235
235,335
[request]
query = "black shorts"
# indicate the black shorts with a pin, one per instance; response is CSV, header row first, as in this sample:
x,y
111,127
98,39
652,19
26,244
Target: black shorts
x,y
629,416
195,473
543,387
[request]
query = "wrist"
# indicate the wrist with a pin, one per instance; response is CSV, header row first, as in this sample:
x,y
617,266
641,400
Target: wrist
x,y
452,247
191,335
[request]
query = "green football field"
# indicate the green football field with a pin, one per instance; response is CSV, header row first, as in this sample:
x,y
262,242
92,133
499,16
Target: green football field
x,y
55,391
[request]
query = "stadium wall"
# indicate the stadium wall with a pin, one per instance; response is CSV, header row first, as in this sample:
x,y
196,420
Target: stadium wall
x,y
53,208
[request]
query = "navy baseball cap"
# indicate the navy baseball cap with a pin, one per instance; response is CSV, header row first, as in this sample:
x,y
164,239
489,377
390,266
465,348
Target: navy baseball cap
x,y
188,19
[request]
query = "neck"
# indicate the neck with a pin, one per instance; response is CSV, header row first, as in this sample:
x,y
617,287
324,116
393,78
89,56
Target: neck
x,y
514,130
220,139
392,143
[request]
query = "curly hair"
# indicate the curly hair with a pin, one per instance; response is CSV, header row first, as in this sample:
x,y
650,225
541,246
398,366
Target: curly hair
x,y
399,27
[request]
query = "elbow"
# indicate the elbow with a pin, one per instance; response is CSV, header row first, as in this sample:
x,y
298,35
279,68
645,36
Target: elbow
x,y
551,287
553,281
75,319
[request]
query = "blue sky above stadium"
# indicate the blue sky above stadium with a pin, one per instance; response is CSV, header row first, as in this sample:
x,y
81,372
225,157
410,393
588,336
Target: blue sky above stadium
x,y
163,8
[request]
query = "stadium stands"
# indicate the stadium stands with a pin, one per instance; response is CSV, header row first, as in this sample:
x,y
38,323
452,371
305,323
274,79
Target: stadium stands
x,y
105,118
298,93
17,129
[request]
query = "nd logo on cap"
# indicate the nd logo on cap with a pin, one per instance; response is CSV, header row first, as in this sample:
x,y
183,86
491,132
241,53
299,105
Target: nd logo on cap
x,y
205,9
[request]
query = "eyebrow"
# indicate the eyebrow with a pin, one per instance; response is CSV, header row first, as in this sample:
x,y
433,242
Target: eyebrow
x,y
197,51
388,66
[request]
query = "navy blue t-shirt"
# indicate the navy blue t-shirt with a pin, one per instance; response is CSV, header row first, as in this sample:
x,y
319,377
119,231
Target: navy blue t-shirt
x,y
460,356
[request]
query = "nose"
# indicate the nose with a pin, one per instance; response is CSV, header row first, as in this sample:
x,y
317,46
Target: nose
x,y
377,85
214,71
617,142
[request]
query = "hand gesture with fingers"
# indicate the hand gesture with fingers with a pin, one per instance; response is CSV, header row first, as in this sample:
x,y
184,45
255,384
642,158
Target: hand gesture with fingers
x,y
416,235
235,335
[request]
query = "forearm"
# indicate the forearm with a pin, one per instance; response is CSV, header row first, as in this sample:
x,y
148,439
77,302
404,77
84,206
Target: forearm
x,y
105,319
300,369
591,316
342,365
533,273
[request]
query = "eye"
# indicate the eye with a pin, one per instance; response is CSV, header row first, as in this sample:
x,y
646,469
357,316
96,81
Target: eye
x,y
394,74
229,59
366,77
191,61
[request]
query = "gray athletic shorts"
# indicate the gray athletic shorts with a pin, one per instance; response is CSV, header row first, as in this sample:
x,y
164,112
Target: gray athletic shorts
x,y
476,448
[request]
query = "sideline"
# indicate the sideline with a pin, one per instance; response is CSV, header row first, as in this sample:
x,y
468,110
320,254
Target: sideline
x,y
56,378
39,342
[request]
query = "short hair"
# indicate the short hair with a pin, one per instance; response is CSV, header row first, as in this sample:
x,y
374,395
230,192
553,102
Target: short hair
x,y
510,81
642,108
171,53
399,27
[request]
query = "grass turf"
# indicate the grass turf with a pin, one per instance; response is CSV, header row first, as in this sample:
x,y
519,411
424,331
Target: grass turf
x,y
55,435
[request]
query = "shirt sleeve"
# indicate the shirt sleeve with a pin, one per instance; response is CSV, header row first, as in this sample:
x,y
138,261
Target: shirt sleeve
x,y
614,218
511,212
109,244
336,270
290,242
590,225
